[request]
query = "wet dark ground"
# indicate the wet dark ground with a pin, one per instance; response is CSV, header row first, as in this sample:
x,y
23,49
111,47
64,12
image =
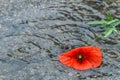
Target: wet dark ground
x,y
34,32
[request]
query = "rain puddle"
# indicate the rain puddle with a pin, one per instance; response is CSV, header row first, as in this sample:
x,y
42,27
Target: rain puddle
x,y
34,32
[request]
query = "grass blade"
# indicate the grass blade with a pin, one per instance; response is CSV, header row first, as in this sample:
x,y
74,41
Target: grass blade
x,y
112,21
117,23
108,32
109,16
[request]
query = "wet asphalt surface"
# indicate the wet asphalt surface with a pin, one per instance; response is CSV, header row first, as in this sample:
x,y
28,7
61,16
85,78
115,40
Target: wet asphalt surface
x,y
34,32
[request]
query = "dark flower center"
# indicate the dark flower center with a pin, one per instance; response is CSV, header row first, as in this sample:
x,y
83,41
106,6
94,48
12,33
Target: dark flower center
x,y
80,57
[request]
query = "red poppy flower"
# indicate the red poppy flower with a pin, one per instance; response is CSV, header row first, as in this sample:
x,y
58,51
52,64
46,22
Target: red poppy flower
x,y
82,58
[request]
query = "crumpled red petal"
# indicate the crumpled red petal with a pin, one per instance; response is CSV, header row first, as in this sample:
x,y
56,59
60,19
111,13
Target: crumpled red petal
x,y
93,58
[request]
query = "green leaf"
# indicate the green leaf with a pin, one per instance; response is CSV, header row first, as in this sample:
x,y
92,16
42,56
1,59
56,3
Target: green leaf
x,y
112,21
109,16
110,24
97,22
105,25
108,32
117,23
116,30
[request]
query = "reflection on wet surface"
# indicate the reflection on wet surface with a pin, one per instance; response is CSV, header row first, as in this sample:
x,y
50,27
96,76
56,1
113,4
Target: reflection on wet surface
x,y
33,33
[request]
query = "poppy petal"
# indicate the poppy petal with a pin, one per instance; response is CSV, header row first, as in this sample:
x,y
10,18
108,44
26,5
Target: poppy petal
x,y
72,52
92,57
65,60
96,57
86,50
82,66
